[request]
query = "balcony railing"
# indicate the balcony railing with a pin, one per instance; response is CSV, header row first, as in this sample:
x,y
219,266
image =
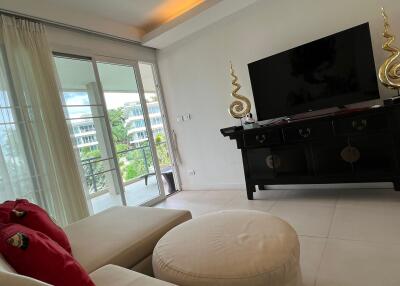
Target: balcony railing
x,y
134,163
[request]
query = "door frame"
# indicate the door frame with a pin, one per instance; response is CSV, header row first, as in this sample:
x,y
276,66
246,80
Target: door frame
x,y
134,63
135,66
167,126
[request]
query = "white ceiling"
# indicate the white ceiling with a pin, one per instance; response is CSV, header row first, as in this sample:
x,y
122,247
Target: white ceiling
x,y
155,23
132,12
142,14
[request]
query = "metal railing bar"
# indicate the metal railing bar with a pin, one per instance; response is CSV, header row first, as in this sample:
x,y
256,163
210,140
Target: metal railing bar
x,y
87,117
99,173
17,107
15,122
88,161
138,148
131,149
82,105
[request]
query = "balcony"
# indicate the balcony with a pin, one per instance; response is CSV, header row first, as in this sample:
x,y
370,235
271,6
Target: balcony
x,y
137,171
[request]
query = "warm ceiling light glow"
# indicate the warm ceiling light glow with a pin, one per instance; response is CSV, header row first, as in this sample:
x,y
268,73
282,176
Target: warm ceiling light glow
x,y
168,11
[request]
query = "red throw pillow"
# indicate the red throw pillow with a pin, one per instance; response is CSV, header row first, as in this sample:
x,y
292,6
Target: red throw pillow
x,y
34,254
34,217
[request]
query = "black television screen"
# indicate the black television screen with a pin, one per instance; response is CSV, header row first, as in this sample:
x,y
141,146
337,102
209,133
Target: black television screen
x,y
332,71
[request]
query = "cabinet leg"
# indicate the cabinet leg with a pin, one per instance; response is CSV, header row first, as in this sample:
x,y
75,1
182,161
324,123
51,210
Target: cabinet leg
x,y
250,190
396,185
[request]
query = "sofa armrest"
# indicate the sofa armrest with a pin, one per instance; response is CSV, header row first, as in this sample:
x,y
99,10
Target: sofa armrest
x,y
119,276
13,279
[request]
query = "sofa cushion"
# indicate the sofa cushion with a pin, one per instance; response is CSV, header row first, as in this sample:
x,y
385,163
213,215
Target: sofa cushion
x,y
34,254
4,266
122,236
13,279
118,276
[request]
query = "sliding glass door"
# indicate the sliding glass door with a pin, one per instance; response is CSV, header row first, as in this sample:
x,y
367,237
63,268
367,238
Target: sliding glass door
x,y
158,128
117,126
84,110
130,126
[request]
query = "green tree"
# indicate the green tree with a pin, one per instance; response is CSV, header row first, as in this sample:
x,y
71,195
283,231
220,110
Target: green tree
x,y
91,168
162,150
117,121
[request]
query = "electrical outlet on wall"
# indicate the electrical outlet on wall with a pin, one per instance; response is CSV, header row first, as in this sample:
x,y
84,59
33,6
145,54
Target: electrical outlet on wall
x,y
191,172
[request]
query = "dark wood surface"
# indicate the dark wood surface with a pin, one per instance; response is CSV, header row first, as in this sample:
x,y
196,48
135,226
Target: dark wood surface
x,y
311,151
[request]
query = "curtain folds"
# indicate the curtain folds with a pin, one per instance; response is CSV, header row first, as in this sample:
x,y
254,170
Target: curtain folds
x,y
37,159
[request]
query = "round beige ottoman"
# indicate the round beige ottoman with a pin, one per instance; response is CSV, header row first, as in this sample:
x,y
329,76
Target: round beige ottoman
x,y
236,247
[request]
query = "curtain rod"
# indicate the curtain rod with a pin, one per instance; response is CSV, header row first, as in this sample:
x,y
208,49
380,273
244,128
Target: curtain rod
x,y
67,26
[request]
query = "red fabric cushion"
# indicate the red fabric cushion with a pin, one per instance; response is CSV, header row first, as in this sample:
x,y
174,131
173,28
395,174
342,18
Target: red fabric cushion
x,y
34,217
34,254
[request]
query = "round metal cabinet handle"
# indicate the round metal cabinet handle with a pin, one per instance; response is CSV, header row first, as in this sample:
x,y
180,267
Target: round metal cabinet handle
x,y
350,154
305,132
273,161
261,138
359,124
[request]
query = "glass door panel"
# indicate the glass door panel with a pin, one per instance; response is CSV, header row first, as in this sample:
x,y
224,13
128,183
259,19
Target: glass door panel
x,y
161,140
129,131
84,112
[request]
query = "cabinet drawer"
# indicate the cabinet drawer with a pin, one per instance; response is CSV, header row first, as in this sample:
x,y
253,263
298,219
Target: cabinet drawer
x,y
360,124
375,154
328,160
268,163
309,131
266,138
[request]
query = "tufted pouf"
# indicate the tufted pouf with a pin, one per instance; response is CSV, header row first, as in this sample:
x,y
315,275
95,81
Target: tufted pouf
x,y
236,247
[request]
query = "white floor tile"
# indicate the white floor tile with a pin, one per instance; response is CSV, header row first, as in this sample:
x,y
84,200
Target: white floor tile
x,y
307,219
323,197
367,224
311,249
240,203
369,198
355,263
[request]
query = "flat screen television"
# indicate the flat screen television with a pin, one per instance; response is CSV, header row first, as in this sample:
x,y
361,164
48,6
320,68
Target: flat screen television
x,y
333,71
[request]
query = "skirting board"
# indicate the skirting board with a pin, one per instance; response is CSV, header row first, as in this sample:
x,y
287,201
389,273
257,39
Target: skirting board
x,y
225,187
219,187
343,186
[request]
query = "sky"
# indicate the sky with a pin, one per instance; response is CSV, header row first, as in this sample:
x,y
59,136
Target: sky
x,y
113,100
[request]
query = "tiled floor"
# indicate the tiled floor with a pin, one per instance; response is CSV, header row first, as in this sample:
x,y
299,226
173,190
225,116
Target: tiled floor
x,y
347,237
135,193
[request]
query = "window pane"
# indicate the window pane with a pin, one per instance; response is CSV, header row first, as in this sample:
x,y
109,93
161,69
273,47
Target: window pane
x,y
18,178
84,113
130,137
157,126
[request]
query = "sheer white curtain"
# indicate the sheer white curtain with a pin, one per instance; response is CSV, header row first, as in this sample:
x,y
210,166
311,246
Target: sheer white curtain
x,y
36,155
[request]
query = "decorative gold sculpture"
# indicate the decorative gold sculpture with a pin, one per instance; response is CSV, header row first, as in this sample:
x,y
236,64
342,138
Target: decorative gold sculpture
x,y
389,72
241,105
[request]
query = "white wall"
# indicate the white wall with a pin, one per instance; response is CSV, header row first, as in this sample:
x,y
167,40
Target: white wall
x,y
195,79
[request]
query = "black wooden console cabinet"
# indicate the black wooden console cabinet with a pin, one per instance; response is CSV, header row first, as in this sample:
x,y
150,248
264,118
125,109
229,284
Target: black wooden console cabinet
x,y
358,146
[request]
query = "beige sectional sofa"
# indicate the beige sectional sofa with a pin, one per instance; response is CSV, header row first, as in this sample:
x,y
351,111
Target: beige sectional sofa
x,y
111,243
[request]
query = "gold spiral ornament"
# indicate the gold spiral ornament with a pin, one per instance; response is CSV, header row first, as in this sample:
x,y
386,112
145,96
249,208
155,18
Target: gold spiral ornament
x,y
389,72
241,105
